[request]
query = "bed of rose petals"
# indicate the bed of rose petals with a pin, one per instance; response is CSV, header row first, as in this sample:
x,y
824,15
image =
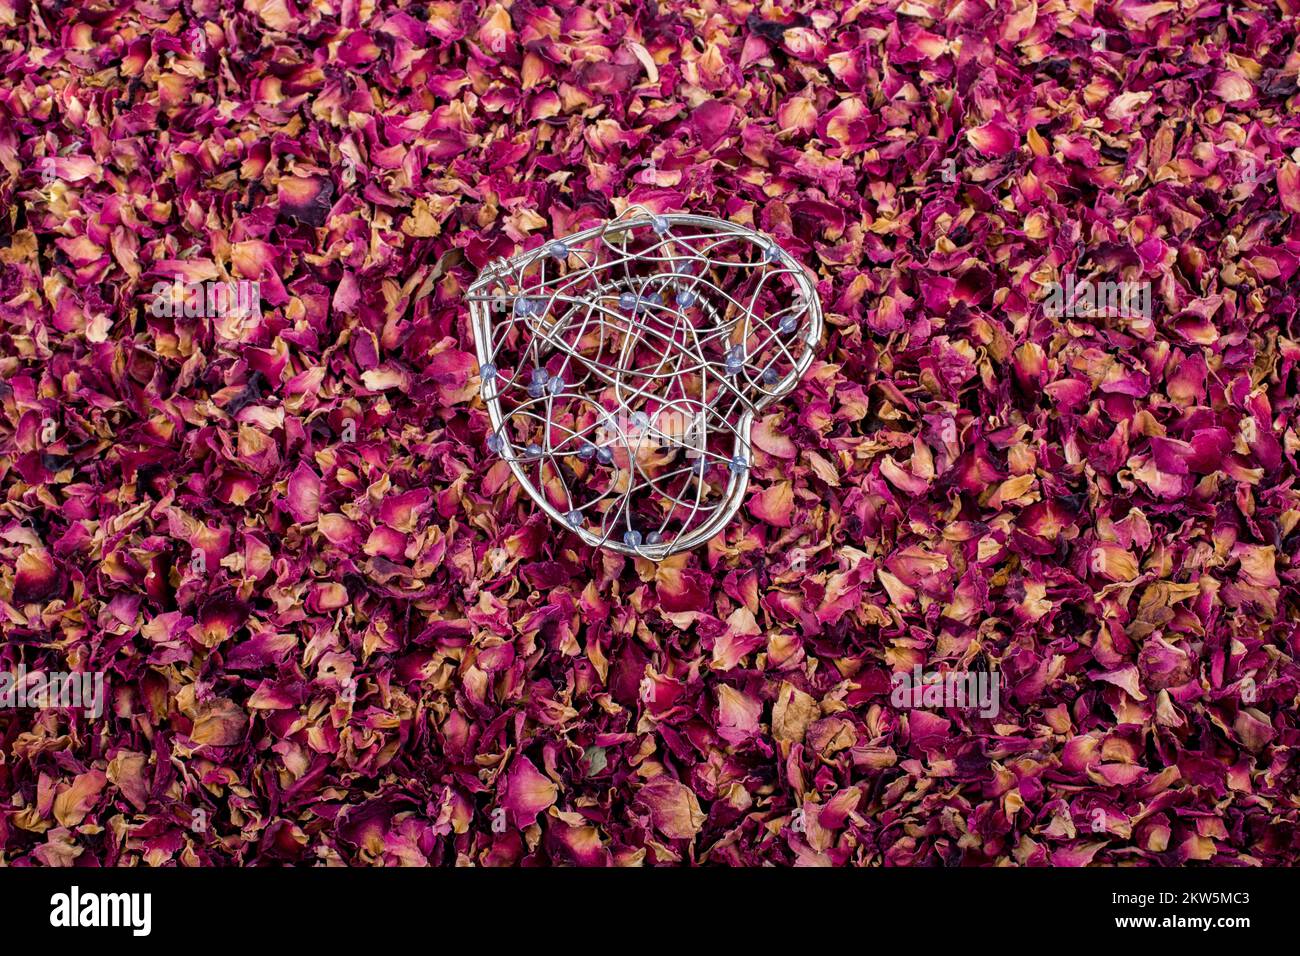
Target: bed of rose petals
x,y
331,628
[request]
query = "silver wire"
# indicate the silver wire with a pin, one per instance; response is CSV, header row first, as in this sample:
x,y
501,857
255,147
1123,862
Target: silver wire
x,y
645,319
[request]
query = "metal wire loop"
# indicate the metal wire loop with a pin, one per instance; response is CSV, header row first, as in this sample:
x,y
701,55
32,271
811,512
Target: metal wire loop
x,y
623,366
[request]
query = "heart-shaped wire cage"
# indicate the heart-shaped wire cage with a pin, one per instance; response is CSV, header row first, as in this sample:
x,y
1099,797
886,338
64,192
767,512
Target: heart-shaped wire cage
x,y
623,366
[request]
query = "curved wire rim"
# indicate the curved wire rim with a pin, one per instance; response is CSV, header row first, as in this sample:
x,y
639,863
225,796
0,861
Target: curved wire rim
x,y
640,216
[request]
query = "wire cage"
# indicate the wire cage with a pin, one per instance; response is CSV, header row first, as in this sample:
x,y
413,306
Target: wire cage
x,y
623,366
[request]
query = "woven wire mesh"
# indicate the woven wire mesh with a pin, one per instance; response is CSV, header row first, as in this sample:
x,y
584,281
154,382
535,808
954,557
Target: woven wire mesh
x,y
622,368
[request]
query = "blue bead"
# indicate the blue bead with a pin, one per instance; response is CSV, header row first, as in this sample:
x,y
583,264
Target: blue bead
x,y
534,451
788,324
487,371
536,390
540,375
605,455
659,224
555,386
640,420
769,376
494,442
773,254
686,299
574,518
559,250
738,464
632,538
521,307
654,537
586,451
627,301
655,299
